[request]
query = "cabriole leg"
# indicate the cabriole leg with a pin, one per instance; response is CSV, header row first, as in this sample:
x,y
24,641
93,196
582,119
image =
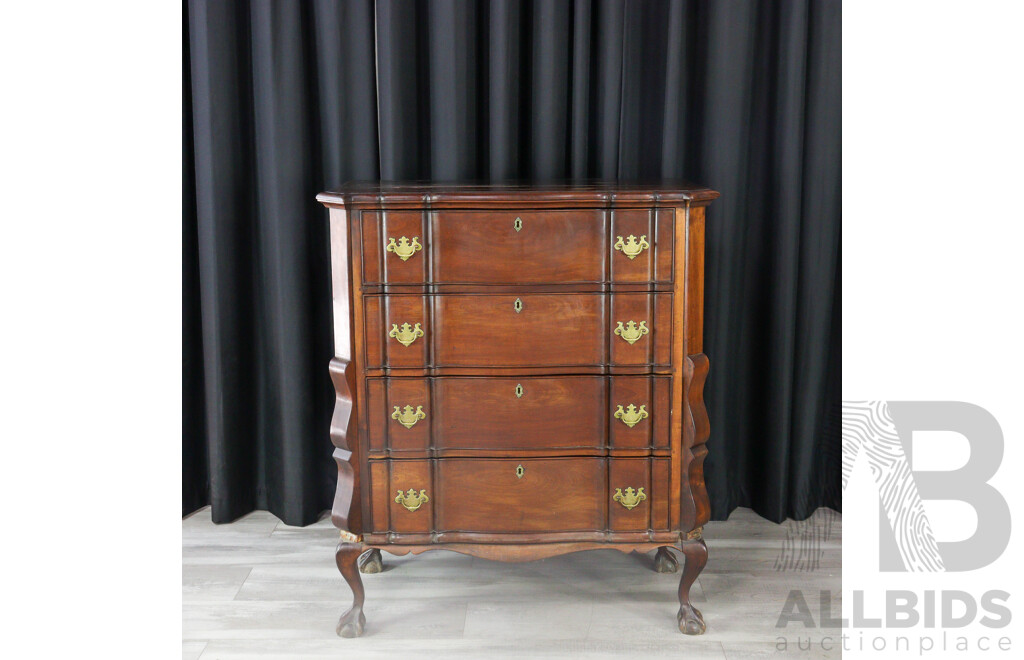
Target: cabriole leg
x,y
691,622
351,622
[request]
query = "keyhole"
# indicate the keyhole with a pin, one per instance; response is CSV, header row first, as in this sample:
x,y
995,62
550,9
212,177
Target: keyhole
x,y
520,471
517,224
519,391
518,305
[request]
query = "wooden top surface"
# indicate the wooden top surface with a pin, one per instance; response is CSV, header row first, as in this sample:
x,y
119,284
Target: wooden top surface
x,y
482,194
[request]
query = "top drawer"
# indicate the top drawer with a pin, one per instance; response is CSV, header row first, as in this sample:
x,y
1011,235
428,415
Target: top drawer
x,y
517,246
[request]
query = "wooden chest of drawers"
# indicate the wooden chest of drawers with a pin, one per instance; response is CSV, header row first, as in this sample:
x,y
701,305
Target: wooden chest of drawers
x,y
519,373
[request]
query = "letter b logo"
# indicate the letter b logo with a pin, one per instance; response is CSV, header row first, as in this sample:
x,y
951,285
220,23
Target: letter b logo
x,y
883,430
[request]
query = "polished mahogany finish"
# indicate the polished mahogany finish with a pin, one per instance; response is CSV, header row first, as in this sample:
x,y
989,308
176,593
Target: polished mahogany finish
x,y
519,373
526,416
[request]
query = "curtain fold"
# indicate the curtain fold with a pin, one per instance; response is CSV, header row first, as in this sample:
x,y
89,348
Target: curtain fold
x,y
282,100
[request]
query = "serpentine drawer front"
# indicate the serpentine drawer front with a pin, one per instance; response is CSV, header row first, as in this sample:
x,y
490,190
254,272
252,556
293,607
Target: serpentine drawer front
x,y
529,415
519,374
524,331
517,246
469,499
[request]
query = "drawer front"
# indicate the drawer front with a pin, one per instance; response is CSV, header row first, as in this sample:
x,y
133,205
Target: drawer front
x,y
518,331
540,329
528,495
500,414
520,496
517,246
450,415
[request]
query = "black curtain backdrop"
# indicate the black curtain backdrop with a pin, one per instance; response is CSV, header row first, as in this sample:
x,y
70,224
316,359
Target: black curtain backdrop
x,y
285,99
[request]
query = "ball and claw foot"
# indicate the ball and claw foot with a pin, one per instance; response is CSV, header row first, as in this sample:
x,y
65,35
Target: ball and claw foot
x,y
665,561
351,623
690,620
371,562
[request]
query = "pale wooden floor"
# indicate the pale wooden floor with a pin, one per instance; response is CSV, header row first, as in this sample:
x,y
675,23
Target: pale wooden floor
x,y
259,588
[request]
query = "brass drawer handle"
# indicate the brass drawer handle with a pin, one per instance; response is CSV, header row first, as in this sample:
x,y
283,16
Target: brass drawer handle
x,y
403,248
630,416
631,332
409,417
630,499
408,335
631,248
410,500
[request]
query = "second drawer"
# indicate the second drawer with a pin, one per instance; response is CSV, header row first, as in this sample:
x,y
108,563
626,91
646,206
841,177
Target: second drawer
x,y
539,415
567,332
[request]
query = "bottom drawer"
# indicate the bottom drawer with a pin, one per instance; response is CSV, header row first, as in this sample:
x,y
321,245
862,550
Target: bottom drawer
x,y
507,495
502,496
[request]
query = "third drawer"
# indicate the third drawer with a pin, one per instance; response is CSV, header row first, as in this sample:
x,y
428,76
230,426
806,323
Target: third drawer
x,y
539,415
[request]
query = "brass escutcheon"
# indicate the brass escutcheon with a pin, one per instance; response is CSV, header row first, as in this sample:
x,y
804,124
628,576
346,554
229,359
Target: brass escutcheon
x,y
403,248
517,224
631,332
409,417
631,416
518,305
631,498
410,500
519,390
520,471
631,248
407,334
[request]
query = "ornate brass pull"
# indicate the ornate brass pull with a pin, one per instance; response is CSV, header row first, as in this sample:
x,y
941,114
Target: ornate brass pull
x,y
631,332
403,248
631,248
630,499
409,417
408,335
630,417
410,500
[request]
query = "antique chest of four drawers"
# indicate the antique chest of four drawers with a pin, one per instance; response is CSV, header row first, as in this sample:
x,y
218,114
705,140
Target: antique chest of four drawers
x,y
519,373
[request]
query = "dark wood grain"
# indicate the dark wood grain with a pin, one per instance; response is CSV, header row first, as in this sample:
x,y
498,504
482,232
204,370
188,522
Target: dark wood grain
x,y
632,473
483,247
551,330
521,552
527,415
413,476
460,250
454,462
568,194
353,621
690,619
346,513
564,413
552,495
695,509
341,425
